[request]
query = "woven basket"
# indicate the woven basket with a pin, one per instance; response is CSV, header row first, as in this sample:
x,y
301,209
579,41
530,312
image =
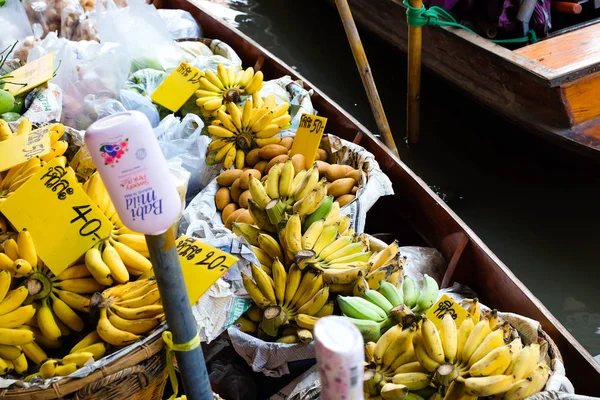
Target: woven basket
x,y
140,375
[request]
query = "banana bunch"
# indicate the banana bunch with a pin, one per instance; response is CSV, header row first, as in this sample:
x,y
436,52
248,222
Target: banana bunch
x,y
19,174
288,304
226,86
124,253
476,359
374,311
242,128
128,311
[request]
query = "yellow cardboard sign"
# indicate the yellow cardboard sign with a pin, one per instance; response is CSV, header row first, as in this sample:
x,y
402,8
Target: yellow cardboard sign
x,y
63,221
201,264
30,75
19,149
178,87
308,137
446,304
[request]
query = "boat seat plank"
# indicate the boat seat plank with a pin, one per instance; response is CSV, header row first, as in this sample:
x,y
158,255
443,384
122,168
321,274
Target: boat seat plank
x,y
568,52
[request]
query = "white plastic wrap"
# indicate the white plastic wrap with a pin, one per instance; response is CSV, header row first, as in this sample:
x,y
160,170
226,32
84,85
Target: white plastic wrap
x,y
14,23
181,24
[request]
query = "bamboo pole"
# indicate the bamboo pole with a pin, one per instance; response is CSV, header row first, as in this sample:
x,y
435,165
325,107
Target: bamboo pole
x,y
413,99
365,74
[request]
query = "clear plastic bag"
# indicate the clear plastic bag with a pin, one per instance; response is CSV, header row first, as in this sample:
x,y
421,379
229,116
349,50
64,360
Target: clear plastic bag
x,y
78,24
181,24
14,23
141,32
145,81
134,101
182,139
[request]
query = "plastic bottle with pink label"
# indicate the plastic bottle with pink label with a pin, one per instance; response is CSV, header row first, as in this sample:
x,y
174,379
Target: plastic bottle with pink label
x,y
135,172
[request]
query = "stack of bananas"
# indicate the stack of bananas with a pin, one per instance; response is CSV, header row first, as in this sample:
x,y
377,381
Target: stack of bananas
x,y
15,177
226,86
127,311
240,129
288,304
374,311
476,359
124,253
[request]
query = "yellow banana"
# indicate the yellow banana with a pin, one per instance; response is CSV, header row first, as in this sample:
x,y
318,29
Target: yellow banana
x,y
113,261
386,341
97,267
400,351
413,366
475,310
279,280
135,241
46,321
11,249
221,132
326,239
148,311
48,369
5,132
255,293
306,321
326,310
146,299
89,340
73,272
10,352
294,278
230,158
464,331
412,380
80,285
66,369
449,336
74,300
97,349
34,352
17,317
494,363
79,359
421,354
246,112
26,248
478,334
21,364
112,335
264,283
131,258
137,326
315,303
488,385
333,276
66,314
270,246
308,183
15,337
293,234
312,234
5,281
526,362
286,179
130,290
491,342
13,300
258,191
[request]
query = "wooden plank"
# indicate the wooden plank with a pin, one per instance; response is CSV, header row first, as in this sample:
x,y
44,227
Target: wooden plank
x,y
567,53
582,98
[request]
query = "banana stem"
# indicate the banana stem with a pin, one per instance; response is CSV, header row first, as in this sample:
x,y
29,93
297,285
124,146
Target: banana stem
x,y
403,314
304,257
276,211
273,318
446,374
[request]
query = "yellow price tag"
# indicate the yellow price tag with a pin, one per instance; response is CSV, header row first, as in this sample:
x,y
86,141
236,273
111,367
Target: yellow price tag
x,y
63,221
446,304
30,75
19,149
178,87
201,264
308,137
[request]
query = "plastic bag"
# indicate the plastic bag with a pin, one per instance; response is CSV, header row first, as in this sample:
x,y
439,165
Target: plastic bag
x,y
14,23
194,49
142,33
181,24
134,101
145,81
182,139
77,24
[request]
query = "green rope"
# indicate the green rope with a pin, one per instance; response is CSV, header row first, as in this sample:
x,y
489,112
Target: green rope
x,y
437,16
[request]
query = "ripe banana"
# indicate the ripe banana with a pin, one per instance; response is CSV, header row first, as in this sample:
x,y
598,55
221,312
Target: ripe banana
x,y
111,258
488,385
66,314
15,337
449,337
26,248
13,300
137,326
111,334
97,266
17,317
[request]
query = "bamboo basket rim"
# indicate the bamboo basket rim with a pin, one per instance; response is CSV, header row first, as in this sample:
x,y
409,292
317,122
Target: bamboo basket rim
x,y
68,386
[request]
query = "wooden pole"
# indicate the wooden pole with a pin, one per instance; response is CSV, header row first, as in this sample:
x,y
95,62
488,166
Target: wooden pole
x,y
365,74
413,99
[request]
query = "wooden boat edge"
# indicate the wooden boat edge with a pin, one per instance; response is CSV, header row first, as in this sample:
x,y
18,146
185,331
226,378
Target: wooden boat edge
x,y
425,198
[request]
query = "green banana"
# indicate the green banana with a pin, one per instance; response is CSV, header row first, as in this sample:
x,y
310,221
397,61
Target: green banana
x,y
360,308
321,213
370,330
428,295
247,231
378,299
391,293
411,291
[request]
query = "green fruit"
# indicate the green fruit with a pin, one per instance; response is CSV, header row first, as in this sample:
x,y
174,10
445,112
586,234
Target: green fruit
x,y
19,106
7,101
10,116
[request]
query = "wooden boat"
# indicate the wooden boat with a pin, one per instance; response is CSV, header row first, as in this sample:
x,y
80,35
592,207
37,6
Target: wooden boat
x,y
421,217
551,88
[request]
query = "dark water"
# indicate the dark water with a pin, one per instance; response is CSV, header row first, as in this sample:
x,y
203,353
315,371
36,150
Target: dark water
x,y
535,205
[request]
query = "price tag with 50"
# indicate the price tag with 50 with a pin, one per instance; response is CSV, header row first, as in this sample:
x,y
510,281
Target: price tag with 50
x,y
63,221
201,264
308,137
